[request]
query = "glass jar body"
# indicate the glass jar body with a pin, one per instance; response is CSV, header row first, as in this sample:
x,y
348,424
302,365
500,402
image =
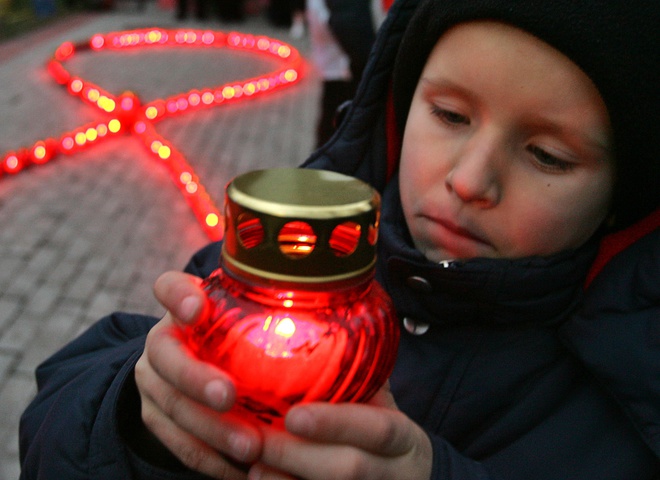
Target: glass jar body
x,y
285,344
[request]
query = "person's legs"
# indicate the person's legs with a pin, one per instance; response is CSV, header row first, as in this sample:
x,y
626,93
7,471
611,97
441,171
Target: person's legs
x,y
297,29
231,10
335,92
201,9
279,13
181,9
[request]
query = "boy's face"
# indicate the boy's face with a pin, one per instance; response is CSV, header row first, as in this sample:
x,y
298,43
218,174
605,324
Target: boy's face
x,y
506,150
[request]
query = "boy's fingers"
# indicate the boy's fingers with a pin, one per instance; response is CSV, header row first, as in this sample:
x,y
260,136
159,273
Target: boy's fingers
x,y
191,451
263,472
182,295
191,394
164,407
171,360
283,452
381,431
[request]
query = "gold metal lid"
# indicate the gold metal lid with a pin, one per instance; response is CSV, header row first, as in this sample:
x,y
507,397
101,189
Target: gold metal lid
x,y
300,225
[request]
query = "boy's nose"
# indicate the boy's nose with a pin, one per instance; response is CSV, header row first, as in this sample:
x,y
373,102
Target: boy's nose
x,y
475,173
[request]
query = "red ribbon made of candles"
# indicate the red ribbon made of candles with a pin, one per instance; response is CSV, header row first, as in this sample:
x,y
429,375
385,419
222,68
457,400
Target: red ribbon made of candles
x,y
126,114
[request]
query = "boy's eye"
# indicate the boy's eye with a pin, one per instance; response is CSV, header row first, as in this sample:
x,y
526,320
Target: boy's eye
x,y
449,117
548,161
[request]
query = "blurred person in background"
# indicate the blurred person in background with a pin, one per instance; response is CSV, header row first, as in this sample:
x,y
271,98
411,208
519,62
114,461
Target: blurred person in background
x,y
341,35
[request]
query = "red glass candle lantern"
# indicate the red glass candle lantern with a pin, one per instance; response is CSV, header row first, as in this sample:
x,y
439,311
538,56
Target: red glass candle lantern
x,y
296,315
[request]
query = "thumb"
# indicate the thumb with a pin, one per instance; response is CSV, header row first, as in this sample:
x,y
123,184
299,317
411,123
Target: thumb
x,y
182,295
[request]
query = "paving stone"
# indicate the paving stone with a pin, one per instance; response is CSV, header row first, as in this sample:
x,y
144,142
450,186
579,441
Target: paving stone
x,y
15,395
10,308
55,330
7,360
42,300
20,333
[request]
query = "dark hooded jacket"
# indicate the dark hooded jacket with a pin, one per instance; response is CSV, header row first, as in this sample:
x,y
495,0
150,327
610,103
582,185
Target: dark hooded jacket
x,y
516,369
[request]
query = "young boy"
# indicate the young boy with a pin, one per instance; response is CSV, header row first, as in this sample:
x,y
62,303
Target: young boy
x,y
514,141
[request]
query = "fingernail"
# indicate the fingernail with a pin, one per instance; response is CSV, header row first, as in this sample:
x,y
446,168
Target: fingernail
x,y
300,421
189,308
216,394
239,445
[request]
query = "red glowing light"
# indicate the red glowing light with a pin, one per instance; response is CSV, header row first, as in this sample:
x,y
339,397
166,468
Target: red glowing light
x,y
97,42
250,232
212,220
67,143
128,115
296,239
127,103
65,51
42,151
139,127
76,85
284,346
12,163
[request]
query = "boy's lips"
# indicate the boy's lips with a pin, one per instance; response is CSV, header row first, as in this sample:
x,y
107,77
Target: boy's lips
x,y
459,231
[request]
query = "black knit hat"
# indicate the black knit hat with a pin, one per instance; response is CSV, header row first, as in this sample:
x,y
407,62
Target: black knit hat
x,y
615,42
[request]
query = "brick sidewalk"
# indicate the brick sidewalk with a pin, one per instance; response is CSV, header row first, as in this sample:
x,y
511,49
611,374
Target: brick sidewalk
x,y
88,234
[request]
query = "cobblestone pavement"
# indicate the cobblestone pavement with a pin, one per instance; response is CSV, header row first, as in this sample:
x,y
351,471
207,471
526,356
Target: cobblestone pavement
x,y
87,234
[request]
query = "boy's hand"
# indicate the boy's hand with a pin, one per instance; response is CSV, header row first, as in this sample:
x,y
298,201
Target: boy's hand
x,y
346,441
184,400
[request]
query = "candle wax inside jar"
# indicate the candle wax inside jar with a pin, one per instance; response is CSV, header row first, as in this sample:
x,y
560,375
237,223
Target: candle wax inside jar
x,y
279,359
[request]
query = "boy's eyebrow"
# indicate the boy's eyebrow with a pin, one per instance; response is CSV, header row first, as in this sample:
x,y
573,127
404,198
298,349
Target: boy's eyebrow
x,y
589,140
445,84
